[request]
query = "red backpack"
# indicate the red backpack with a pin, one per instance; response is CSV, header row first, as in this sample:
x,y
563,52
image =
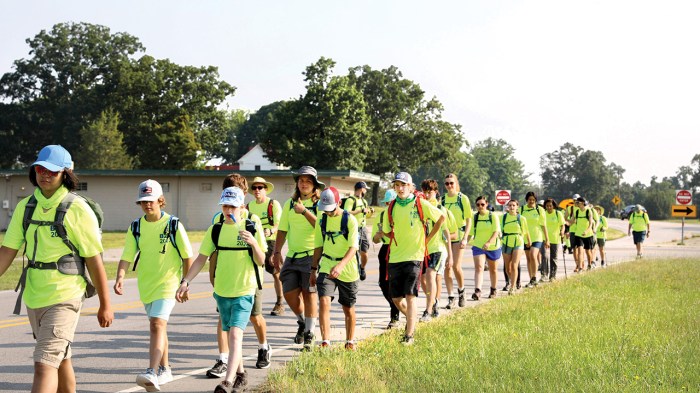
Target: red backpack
x,y
390,214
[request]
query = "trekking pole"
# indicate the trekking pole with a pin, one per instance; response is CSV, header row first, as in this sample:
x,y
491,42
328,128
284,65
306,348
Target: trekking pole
x,y
564,258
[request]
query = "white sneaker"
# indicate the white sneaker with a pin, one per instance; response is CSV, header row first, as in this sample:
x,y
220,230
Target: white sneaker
x,y
165,375
148,381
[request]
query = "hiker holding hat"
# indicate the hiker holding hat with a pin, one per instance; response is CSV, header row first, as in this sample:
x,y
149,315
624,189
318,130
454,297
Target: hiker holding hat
x,y
269,211
297,229
357,205
53,294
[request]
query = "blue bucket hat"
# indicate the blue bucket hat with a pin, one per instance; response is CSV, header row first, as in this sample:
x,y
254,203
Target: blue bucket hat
x,y
54,158
232,196
389,196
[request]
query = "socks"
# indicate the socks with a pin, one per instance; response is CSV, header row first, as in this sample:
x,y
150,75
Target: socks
x,y
300,317
310,324
263,346
223,357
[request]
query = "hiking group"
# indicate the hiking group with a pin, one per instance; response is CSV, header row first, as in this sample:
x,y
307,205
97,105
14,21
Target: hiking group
x,y
423,237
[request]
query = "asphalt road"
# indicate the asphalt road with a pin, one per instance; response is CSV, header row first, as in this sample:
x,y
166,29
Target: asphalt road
x,y
108,360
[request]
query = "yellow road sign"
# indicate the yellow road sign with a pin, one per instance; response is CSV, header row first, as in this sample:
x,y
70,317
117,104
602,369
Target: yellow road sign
x,y
616,200
684,211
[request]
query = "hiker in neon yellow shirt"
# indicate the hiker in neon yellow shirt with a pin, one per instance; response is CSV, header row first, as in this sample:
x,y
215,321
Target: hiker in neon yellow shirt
x,y
297,229
357,205
485,237
585,235
515,237
439,254
380,237
54,299
335,261
570,217
556,231
537,225
459,205
262,206
241,253
601,233
407,215
161,265
639,226
256,318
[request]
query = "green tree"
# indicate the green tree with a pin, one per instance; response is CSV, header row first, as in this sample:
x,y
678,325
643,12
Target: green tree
x,y
256,125
496,158
658,199
325,128
101,145
172,145
232,125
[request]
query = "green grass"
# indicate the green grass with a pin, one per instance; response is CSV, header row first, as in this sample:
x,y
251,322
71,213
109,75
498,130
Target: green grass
x,y
628,328
614,234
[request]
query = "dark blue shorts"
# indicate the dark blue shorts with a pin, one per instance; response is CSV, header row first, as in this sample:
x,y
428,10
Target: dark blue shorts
x,y
492,255
639,237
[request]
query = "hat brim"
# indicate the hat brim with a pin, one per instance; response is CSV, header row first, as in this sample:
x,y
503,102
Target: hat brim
x,y
327,208
401,181
319,184
49,166
270,186
230,203
150,198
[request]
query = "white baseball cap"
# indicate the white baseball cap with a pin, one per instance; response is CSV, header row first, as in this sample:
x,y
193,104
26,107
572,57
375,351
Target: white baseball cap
x,y
149,190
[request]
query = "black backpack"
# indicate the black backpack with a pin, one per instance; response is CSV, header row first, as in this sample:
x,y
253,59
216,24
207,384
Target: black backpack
x,y
73,263
343,227
250,227
476,220
170,230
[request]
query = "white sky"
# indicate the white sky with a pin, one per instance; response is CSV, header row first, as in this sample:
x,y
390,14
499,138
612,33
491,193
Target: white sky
x,y
622,77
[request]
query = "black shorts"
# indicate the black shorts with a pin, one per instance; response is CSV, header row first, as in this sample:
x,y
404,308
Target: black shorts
x,y
575,241
433,262
403,278
364,242
588,243
347,290
269,266
601,242
295,274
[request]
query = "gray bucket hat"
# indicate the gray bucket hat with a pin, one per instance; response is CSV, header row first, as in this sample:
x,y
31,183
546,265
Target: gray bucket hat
x,y
309,171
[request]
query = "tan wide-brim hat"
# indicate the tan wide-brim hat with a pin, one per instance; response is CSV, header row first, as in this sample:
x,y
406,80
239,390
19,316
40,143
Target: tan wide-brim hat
x,y
260,180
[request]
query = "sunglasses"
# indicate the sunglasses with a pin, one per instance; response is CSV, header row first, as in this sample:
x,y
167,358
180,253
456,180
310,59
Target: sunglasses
x,y
449,183
45,172
254,188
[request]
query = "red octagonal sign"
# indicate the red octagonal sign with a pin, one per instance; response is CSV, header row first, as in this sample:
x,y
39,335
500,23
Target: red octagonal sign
x,y
684,197
502,197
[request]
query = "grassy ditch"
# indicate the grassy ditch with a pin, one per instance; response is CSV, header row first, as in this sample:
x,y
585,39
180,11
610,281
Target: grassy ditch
x,y
627,328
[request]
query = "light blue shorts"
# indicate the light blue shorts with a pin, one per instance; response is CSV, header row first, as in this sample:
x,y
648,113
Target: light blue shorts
x,y
234,311
160,308
509,250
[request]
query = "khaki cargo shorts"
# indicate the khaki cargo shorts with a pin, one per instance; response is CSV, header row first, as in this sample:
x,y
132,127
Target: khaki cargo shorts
x,y
54,328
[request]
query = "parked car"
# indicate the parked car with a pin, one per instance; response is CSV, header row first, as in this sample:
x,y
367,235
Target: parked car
x,y
629,209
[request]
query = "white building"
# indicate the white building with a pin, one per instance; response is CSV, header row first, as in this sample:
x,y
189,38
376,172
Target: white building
x,y
256,160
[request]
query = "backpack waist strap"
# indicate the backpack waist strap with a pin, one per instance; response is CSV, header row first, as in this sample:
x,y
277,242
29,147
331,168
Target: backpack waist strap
x,y
331,258
42,265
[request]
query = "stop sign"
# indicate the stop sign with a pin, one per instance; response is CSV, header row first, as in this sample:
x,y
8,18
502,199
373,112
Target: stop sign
x,y
684,197
502,197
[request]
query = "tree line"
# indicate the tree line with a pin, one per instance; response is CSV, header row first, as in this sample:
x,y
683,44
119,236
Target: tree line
x,y
100,95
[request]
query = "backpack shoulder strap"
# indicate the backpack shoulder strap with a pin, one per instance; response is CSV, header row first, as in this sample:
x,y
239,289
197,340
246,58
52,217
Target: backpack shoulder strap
x,y
173,226
344,224
390,213
270,217
61,211
136,230
29,212
323,227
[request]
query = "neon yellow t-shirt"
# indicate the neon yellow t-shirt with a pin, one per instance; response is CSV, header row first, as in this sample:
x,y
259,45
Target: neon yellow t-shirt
x,y
460,215
438,243
260,210
536,220
48,287
409,232
354,203
639,221
582,224
384,222
572,210
512,232
336,246
300,233
602,232
487,225
234,269
555,221
158,275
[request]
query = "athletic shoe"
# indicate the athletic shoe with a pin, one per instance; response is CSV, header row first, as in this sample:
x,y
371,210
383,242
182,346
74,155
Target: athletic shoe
x,y
511,291
350,346
552,278
218,371
324,344
543,279
461,297
506,288
425,317
363,274
148,381
493,293
517,286
308,341
224,387
165,375
450,303
278,310
435,313
299,338
593,266
407,340
477,294
602,263
240,382
531,284
263,357
394,323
